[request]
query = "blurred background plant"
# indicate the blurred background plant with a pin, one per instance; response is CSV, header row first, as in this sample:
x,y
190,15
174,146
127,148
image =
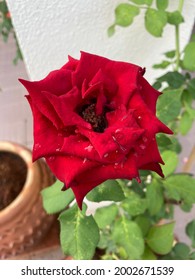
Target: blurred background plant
x,y
140,222
7,29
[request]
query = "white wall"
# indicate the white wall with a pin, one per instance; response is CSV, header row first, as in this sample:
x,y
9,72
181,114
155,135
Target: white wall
x,y
50,30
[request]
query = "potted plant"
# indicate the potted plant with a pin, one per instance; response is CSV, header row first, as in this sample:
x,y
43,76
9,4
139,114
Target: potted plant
x,y
23,221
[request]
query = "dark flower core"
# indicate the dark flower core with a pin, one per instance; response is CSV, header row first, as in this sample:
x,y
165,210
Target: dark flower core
x,y
98,122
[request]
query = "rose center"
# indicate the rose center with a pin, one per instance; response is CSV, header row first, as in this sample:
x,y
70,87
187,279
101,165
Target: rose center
x,y
98,122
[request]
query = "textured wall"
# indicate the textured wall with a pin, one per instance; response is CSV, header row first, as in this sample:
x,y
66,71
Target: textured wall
x,y
50,30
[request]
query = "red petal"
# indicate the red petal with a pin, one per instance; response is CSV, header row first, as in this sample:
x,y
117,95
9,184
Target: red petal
x,y
149,94
68,168
150,154
124,74
153,167
47,141
57,82
38,99
71,64
65,106
145,118
88,180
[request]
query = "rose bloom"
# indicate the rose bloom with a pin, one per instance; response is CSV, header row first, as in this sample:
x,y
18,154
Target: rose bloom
x,y
95,119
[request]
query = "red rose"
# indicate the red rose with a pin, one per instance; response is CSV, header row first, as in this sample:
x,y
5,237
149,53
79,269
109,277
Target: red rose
x,y
94,119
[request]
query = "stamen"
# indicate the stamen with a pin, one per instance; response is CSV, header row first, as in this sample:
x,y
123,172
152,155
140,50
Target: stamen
x,y
98,122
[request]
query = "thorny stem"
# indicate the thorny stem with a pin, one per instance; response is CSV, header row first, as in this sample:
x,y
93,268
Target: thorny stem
x,y
177,43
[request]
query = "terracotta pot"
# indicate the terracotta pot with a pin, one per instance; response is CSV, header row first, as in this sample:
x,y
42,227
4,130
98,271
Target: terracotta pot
x,y
23,223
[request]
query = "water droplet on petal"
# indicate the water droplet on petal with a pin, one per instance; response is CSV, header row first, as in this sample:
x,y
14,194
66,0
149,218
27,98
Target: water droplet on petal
x,y
106,155
135,154
118,137
37,146
85,160
51,158
145,139
142,146
124,117
116,151
60,134
89,148
58,149
139,117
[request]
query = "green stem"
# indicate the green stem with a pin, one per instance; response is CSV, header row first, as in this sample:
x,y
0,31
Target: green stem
x,y
177,43
177,47
180,7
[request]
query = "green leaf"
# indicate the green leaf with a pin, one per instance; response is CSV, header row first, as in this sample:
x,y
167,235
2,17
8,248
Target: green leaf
x,y
56,200
192,39
155,21
148,2
142,2
186,123
109,190
191,87
186,207
164,64
181,251
190,231
134,204
104,241
157,85
128,235
186,98
180,187
3,7
104,216
170,54
154,195
176,146
162,4
171,161
138,2
148,254
125,13
192,256
111,30
175,18
79,234
189,57
169,105
144,223
163,140
160,238
138,188
173,79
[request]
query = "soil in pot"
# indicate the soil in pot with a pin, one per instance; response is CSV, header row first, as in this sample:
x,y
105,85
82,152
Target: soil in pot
x,y
13,172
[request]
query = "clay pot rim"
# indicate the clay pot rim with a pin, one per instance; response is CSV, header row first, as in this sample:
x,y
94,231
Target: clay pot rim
x,y
27,192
